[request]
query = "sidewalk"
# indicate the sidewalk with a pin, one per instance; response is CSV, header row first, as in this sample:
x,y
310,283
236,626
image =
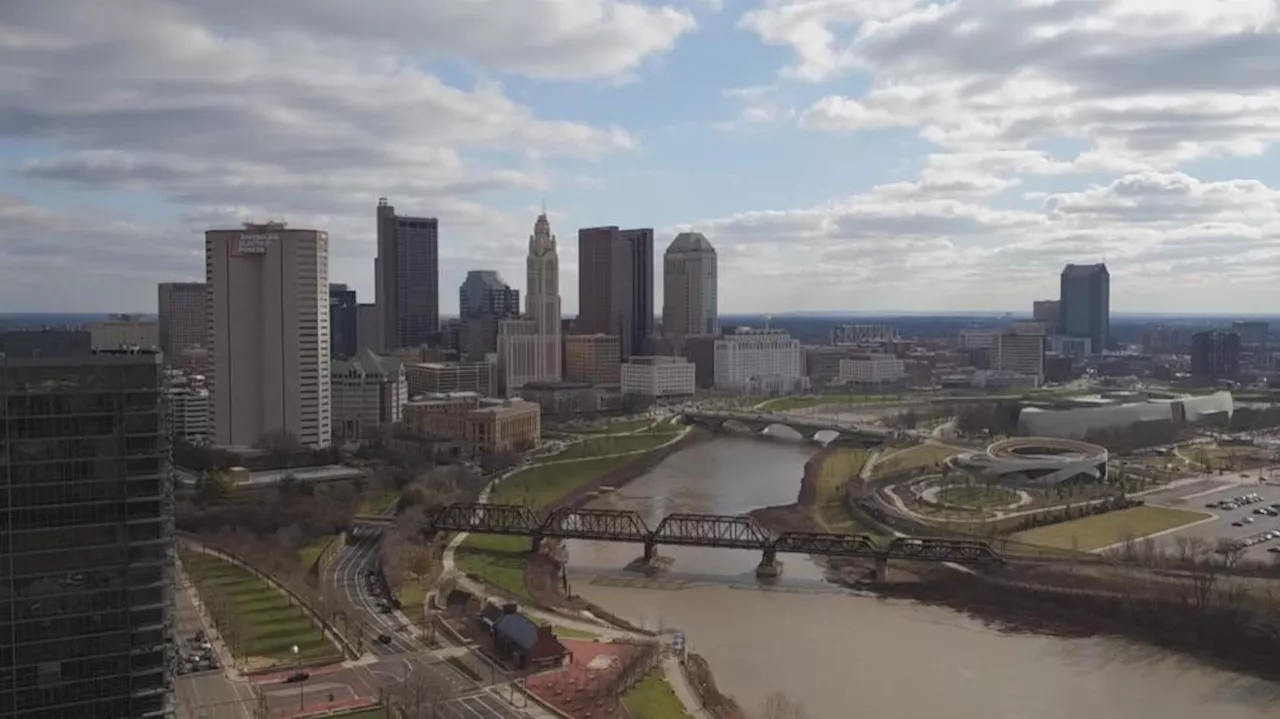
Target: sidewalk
x,y
674,671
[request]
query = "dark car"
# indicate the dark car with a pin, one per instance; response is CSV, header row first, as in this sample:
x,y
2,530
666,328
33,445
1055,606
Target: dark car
x,y
296,677
384,639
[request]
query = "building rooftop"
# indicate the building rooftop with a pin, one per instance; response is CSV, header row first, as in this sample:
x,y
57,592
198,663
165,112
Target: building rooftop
x,y
690,242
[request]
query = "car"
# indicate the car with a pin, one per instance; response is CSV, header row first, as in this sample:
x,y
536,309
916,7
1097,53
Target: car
x,y
1237,523
1274,550
1260,512
1247,520
296,677
384,639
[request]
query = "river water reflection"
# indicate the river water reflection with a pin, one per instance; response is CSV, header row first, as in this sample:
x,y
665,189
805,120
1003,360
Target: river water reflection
x,y
848,655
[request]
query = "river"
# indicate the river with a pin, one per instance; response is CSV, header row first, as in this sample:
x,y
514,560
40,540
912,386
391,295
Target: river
x,y
848,655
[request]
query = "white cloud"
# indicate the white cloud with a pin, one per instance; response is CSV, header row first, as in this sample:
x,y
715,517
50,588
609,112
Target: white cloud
x,y
301,110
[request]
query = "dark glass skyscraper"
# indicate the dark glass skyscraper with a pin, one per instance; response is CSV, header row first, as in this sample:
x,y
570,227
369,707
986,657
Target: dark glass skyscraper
x,y
1084,304
344,322
484,299
615,285
408,282
86,522
1215,355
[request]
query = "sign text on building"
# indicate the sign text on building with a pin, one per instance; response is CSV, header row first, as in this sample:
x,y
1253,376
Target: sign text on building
x,y
255,244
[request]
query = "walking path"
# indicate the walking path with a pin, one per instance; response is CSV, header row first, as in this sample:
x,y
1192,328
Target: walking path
x,y
679,682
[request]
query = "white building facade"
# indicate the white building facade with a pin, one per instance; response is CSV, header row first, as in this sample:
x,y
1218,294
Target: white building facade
x,y
542,301
659,377
760,362
873,369
268,299
188,408
519,347
1019,352
369,393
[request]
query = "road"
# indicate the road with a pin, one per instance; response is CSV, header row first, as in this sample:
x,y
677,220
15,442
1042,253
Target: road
x,y
349,573
208,694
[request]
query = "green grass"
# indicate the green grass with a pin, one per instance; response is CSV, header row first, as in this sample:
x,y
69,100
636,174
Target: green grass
x,y
376,713
571,633
922,455
603,446
541,485
258,620
828,507
978,496
497,560
653,698
308,555
785,404
379,504
618,427
1102,530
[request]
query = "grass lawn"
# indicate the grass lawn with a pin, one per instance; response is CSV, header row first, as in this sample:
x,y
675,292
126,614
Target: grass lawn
x,y
978,496
378,505
603,446
540,485
1102,530
259,621
618,427
828,508
375,713
921,455
308,555
497,560
653,698
571,633
784,404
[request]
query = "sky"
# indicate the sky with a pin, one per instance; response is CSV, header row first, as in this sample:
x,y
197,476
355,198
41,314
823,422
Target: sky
x,y
842,155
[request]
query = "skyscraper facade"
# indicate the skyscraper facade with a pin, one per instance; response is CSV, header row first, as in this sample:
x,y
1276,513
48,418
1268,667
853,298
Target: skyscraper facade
x,y
542,299
689,287
85,541
615,285
269,333
408,277
182,307
484,299
1084,304
1215,355
344,322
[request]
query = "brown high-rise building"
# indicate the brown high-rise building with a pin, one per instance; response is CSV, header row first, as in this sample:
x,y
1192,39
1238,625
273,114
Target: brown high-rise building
x,y
408,277
615,285
183,320
593,359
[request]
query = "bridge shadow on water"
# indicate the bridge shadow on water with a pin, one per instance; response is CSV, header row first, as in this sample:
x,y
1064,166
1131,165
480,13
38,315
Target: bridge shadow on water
x,y
676,581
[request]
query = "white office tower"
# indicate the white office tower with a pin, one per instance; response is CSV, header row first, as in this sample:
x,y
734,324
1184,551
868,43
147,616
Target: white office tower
x,y
542,300
269,334
760,362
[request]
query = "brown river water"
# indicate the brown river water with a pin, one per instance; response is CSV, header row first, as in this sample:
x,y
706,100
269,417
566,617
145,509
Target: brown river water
x,y
849,655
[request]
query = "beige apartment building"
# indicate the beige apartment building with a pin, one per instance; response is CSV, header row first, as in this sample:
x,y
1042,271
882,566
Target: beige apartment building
x,y
269,333
593,359
183,323
476,423
437,377
124,331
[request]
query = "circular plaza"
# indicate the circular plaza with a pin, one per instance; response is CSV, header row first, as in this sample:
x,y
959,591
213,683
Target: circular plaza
x,y
1039,461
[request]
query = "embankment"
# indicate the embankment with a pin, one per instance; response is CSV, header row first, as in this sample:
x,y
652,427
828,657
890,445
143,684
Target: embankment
x,y
797,516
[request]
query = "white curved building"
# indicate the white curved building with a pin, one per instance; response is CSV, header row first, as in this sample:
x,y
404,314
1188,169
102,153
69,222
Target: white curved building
x,y
1039,461
1077,422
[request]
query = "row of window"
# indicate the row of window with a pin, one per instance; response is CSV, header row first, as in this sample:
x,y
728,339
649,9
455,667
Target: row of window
x,y
77,514
108,698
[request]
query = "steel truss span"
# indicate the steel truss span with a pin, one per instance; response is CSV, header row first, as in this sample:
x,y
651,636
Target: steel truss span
x,y
694,530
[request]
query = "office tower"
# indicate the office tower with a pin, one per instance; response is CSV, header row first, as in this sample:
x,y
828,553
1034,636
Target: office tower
x,y
182,319
542,299
344,322
760,362
1084,304
125,332
615,285
86,535
689,277
269,332
1253,333
593,359
369,327
408,277
1020,350
484,299
1046,311
1215,355
518,346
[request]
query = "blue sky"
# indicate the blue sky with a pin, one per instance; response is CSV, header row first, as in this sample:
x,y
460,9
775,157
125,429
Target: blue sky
x,y
842,155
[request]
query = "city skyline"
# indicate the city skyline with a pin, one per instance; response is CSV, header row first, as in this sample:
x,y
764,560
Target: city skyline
x,y
836,163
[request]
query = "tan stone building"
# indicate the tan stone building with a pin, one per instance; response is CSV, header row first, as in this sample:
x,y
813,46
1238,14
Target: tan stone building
x,y
435,377
593,359
368,394
476,423
268,289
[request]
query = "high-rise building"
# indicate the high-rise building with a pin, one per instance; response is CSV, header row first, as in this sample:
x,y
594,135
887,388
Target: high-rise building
x,y
593,359
269,333
483,300
1019,351
369,327
1084,304
1046,311
182,322
517,354
408,277
86,538
760,362
344,322
1253,333
125,332
1215,355
542,299
689,288
615,285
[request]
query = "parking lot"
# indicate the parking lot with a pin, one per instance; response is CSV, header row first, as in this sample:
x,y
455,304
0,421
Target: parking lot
x,y
205,693
1208,495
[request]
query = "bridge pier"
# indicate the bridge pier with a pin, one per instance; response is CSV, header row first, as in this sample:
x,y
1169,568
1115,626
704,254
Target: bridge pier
x,y
650,551
882,569
535,543
769,567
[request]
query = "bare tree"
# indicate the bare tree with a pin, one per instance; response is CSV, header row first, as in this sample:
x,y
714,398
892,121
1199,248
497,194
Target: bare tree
x,y
780,706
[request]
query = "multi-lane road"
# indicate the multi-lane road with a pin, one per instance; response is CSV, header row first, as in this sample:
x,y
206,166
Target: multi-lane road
x,y
351,573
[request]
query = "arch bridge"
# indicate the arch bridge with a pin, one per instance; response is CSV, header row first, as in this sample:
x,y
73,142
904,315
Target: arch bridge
x,y
866,435
698,530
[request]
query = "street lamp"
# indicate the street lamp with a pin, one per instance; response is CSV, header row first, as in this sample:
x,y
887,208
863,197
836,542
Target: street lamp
x,y
302,681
